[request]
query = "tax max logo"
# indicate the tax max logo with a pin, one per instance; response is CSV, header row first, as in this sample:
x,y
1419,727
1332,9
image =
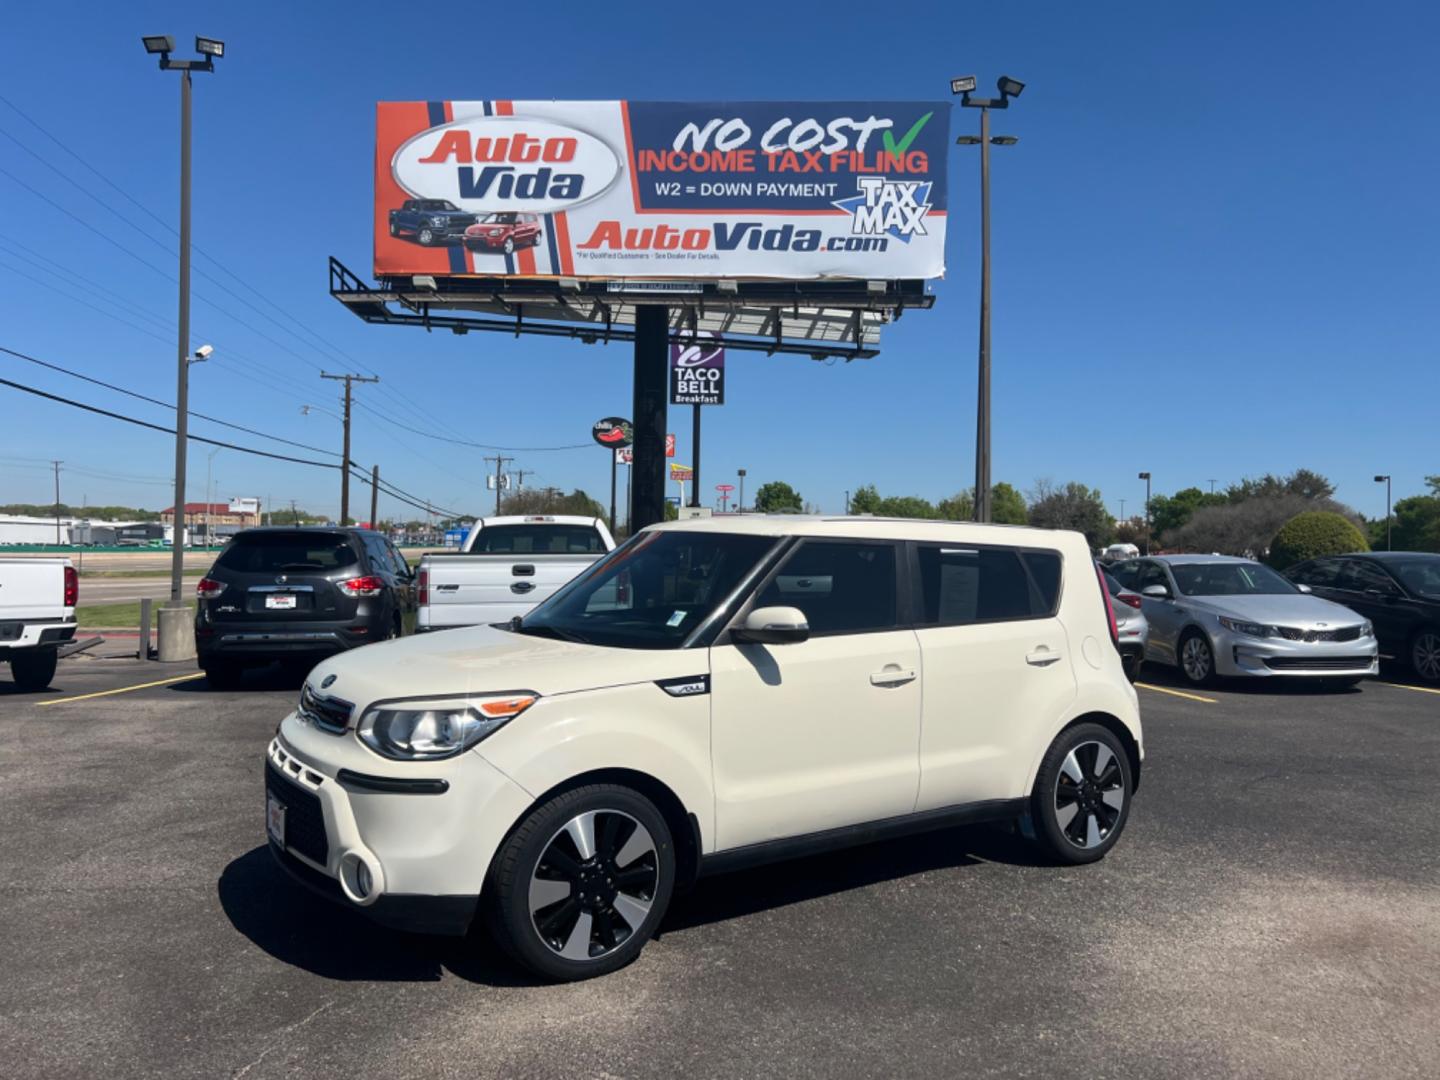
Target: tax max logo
x,y
888,207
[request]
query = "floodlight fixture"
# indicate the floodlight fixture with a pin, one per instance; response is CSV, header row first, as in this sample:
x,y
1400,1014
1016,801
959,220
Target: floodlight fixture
x,y
203,353
1143,476
726,285
1009,87
570,284
423,281
1381,479
1004,140
963,85
158,43
209,47
968,140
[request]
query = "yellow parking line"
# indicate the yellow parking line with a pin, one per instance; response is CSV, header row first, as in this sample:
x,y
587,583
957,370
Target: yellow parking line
x,y
123,689
1177,693
1406,686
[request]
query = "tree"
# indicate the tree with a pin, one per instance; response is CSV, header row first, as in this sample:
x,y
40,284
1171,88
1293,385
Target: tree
x,y
1246,527
1313,534
551,501
778,497
1169,512
1416,526
1073,506
906,506
866,500
1007,505
958,507
1302,482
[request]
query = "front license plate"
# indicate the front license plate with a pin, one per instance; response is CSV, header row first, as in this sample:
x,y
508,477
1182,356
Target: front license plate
x,y
275,819
280,601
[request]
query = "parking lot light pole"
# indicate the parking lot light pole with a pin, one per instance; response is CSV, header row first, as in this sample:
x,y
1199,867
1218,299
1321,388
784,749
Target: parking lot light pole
x,y
1146,477
177,634
740,503
1387,510
1008,87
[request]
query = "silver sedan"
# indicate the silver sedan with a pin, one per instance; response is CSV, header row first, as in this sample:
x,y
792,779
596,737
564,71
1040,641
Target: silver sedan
x,y
1213,615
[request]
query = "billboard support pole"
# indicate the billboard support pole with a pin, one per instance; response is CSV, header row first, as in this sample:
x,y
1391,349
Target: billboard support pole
x,y
695,434
651,395
612,491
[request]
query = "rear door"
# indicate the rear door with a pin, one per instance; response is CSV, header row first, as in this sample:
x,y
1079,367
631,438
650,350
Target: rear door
x,y
997,666
285,576
31,589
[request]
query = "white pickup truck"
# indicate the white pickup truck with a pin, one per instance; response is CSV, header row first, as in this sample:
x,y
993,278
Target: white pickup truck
x,y
37,615
506,566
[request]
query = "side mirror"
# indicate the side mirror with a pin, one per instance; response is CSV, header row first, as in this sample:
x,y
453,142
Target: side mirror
x,y
1156,592
1303,588
772,626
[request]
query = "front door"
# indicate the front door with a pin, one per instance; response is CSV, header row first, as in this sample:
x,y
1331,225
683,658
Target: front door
x,y
1165,615
823,733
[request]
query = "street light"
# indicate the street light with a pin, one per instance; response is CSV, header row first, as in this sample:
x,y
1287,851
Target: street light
x,y
1387,510
1146,477
965,87
177,633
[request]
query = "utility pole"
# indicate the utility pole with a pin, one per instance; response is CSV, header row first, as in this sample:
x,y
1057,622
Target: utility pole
x,y
1122,509
57,465
740,503
1212,487
294,518
499,475
345,452
374,494
520,475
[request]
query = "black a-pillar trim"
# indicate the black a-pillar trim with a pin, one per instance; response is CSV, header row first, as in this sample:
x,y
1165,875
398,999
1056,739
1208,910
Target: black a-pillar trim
x,y
647,473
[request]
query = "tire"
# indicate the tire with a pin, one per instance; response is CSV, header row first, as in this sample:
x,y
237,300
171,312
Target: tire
x,y
1195,657
1424,655
509,245
1131,664
425,237
394,231
535,241
223,674
1085,768
33,669
531,904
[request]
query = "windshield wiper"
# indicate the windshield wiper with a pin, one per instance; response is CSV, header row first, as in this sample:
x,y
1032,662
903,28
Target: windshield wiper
x,y
548,631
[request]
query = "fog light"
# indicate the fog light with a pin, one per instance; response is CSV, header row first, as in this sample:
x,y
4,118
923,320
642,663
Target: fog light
x,y
363,881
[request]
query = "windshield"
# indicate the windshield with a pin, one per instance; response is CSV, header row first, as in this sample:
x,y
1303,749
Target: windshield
x,y
538,540
506,217
1420,576
1229,579
271,552
651,592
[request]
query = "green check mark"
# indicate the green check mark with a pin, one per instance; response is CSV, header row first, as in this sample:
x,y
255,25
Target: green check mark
x,y
896,150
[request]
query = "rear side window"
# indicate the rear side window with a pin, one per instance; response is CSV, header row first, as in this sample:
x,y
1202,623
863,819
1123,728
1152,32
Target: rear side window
x,y
961,585
843,588
279,552
1322,572
539,539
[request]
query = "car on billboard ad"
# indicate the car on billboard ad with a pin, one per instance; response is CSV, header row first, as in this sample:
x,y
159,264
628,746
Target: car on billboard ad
x,y
617,189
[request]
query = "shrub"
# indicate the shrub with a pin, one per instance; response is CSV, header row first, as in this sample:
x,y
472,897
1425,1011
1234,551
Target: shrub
x,y
1312,534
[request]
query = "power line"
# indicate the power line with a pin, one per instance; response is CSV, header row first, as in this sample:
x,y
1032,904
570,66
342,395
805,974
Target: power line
x,y
160,427
467,442
163,404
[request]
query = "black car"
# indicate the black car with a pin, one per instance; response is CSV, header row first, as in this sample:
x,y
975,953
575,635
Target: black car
x,y
299,595
1398,591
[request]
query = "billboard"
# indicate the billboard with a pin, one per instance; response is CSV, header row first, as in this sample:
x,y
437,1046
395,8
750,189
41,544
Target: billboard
x,y
617,189
697,373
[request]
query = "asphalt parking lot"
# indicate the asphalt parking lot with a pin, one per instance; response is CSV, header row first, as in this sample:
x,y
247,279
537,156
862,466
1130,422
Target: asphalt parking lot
x,y
1273,910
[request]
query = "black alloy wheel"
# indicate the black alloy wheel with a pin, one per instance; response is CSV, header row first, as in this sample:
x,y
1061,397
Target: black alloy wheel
x,y
1081,798
582,883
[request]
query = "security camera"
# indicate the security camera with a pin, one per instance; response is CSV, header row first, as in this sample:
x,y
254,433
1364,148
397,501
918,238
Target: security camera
x,y
204,351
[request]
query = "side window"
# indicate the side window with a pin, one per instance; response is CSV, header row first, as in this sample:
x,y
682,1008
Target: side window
x,y
397,560
1152,574
843,588
1366,577
1127,573
376,555
968,585
1321,572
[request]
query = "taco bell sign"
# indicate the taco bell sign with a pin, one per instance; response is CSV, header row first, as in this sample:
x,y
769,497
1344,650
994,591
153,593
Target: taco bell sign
x,y
697,374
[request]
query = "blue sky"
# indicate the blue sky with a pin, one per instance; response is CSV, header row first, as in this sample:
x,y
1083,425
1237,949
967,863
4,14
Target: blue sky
x,y
1215,246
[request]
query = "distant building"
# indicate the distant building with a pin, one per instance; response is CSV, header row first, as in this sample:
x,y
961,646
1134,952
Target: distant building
x,y
217,514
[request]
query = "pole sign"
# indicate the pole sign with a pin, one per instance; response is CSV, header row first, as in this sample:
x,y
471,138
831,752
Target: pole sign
x,y
697,373
725,488
625,455
612,432
681,472
623,189
669,445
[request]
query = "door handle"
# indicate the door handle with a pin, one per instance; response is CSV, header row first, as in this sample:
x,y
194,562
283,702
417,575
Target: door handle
x,y
892,677
1041,658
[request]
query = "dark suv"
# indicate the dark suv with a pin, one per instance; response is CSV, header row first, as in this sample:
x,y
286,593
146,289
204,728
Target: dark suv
x,y
299,595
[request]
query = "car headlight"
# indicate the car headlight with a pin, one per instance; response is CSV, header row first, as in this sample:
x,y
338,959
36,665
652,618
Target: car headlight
x,y
425,731
1367,629
437,221
1250,628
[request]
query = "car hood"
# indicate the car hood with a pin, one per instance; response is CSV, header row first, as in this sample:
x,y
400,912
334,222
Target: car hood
x,y
483,660
1295,609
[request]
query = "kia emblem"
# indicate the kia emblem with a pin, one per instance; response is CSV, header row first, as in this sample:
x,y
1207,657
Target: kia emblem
x,y
327,682
281,580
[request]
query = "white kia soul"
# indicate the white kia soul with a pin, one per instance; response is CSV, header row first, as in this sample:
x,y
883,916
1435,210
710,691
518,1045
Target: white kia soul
x,y
712,694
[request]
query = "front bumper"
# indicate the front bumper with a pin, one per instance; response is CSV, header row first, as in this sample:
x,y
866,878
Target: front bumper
x,y
427,849
488,243
1241,655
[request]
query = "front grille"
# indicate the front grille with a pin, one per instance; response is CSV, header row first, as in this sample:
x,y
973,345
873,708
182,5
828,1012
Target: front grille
x,y
304,820
1319,663
326,713
1343,633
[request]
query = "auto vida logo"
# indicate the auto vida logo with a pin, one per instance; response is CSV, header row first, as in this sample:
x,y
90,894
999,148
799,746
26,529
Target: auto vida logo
x,y
490,163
